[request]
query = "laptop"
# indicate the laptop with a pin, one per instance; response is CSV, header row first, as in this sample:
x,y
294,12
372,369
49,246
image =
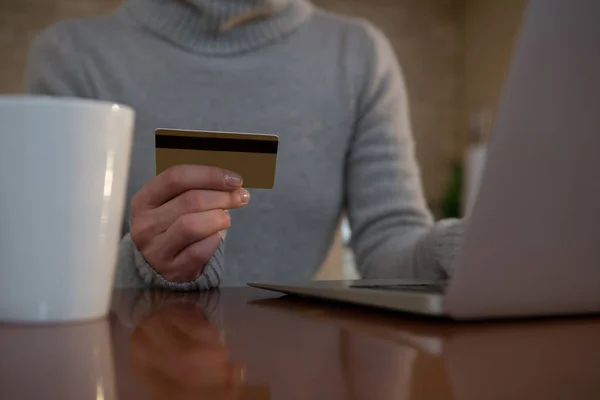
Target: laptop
x,y
532,246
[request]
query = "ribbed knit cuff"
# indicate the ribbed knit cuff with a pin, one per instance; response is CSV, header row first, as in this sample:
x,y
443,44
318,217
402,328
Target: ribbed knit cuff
x,y
436,252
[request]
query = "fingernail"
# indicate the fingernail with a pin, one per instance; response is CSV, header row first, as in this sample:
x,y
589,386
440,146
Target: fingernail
x,y
233,180
244,196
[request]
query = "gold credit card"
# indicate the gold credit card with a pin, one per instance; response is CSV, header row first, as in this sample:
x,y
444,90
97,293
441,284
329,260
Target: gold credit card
x,y
253,156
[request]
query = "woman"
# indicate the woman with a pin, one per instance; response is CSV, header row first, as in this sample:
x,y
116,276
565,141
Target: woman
x,y
329,86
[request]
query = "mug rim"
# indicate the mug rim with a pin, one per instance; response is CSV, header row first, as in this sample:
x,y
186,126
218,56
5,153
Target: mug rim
x,y
41,100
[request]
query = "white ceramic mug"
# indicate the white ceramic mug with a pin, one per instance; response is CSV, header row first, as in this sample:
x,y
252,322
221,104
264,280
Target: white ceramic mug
x,y
64,165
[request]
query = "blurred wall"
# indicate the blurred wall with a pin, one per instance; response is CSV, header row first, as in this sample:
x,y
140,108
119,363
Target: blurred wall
x,y
491,27
20,20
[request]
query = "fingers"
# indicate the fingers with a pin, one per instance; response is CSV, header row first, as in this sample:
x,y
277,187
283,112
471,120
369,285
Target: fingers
x,y
189,263
200,230
176,217
195,201
191,228
179,179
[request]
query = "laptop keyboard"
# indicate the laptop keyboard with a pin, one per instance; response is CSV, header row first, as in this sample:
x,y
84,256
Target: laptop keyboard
x,y
437,287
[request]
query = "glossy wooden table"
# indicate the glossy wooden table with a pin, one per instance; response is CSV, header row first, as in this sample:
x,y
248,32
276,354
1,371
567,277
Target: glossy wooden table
x,y
249,344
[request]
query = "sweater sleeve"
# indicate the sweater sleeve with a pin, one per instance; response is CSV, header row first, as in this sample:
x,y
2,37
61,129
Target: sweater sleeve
x,y
55,69
393,234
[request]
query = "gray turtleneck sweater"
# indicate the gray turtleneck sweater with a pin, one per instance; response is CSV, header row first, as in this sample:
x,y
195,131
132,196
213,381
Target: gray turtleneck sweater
x,y
329,86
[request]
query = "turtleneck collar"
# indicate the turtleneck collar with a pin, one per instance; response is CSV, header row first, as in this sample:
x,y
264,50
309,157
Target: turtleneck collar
x,y
219,27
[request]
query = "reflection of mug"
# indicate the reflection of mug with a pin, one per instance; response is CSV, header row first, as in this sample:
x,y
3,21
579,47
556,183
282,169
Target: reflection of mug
x,y
63,173
56,362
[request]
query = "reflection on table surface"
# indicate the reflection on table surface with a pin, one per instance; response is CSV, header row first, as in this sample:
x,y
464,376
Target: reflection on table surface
x,y
247,344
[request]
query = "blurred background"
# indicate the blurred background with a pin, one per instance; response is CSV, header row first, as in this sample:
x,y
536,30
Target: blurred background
x,y
454,54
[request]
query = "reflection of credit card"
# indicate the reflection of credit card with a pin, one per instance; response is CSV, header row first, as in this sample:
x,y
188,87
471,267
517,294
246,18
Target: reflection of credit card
x,y
252,156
